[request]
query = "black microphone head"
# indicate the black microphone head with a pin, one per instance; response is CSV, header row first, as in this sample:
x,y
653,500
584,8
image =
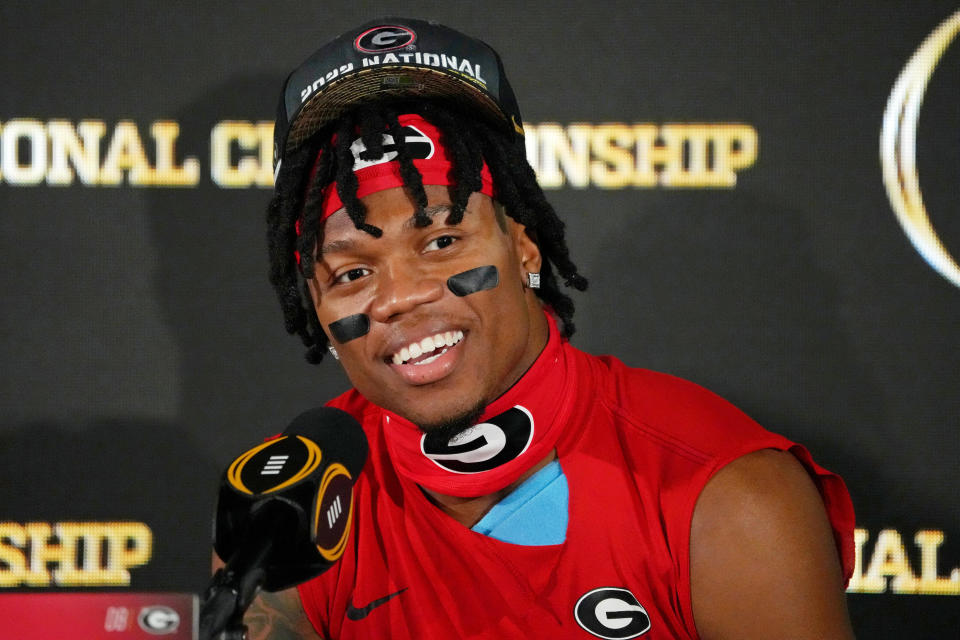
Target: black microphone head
x,y
303,477
337,432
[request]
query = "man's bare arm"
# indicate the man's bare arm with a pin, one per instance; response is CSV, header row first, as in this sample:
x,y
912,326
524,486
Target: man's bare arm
x,y
276,616
763,562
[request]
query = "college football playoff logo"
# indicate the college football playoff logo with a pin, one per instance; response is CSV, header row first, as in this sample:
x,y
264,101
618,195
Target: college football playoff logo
x,y
384,38
612,613
334,512
274,465
898,149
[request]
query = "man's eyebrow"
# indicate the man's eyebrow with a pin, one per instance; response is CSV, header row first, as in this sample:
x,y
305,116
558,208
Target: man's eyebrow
x,y
338,246
432,212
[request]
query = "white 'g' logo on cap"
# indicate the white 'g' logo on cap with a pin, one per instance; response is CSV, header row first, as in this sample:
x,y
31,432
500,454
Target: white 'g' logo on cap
x,y
384,38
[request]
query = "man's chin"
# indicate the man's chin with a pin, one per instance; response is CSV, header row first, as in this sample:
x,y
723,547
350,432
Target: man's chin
x,y
447,427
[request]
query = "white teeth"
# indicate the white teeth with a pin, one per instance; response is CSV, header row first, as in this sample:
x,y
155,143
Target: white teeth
x,y
428,344
430,359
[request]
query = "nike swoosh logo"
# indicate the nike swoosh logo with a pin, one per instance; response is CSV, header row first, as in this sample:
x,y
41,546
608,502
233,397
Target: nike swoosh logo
x,y
353,613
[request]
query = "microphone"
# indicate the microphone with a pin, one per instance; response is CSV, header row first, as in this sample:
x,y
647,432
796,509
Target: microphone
x,y
283,512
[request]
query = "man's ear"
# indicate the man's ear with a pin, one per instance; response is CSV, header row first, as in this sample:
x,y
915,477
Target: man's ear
x,y
527,249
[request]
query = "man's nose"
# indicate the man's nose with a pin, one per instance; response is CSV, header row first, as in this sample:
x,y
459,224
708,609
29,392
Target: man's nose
x,y
402,287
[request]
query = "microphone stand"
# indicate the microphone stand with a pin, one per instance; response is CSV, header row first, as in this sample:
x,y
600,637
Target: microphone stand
x,y
233,587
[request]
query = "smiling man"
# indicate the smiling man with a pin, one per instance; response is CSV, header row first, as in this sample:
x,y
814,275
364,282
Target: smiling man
x,y
429,354
516,486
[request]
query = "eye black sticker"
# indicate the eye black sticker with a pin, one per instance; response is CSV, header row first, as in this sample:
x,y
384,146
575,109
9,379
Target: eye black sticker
x,y
346,329
474,280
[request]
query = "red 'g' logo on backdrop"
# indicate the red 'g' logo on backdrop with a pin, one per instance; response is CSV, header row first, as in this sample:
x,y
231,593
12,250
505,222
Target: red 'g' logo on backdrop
x,y
385,38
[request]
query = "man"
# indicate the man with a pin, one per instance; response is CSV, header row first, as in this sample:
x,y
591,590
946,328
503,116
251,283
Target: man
x,y
516,487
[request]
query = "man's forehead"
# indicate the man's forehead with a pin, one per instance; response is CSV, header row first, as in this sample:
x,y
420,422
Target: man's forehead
x,y
340,233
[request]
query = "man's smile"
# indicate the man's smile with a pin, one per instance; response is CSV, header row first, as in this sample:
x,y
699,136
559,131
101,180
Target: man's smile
x,y
428,360
427,350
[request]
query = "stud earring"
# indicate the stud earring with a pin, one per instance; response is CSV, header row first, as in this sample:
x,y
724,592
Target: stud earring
x,y
533,280
333,352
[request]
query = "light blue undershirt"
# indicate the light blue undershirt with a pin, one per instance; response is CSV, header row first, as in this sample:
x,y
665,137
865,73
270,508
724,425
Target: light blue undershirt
x,y
535,513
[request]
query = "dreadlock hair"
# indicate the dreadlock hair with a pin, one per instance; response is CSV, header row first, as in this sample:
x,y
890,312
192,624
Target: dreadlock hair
x,y
293,216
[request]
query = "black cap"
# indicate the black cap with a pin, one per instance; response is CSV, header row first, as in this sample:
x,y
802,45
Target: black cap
x,y
386,58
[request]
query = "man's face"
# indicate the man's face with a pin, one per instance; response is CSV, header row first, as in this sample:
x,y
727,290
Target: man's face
x,y
399,281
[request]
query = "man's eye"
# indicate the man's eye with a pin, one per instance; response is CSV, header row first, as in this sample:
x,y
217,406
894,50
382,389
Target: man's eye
x,y
440,243
351,275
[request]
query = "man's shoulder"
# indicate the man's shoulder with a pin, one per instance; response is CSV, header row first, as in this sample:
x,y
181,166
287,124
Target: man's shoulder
x,y
676,413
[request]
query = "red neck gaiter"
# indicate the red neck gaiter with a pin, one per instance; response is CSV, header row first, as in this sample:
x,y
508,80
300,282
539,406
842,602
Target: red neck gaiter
x,y
517,430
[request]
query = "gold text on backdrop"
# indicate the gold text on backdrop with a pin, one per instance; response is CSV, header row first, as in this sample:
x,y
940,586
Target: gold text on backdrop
x,y
72,554
58,151
890,560
640,155
606,156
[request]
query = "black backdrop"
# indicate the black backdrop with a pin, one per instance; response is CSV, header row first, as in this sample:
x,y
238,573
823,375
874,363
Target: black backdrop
x,y
142,347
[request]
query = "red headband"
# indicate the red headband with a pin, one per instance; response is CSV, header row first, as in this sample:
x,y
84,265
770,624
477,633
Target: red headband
x,y
422,142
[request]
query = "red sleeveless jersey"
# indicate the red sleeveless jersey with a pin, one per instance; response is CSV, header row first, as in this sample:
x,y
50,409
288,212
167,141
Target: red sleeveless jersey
x,y
637,450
